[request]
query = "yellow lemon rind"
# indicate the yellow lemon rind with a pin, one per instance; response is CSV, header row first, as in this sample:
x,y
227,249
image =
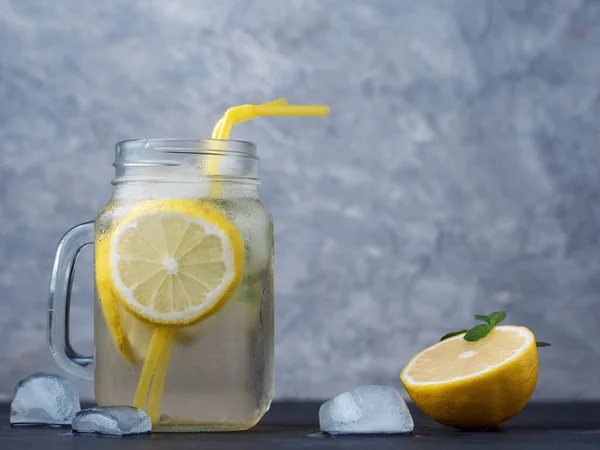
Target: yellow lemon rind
x,y
195,210
108,305
482,400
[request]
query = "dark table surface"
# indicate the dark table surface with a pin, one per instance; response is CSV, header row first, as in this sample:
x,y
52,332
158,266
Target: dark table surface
x,y
568,426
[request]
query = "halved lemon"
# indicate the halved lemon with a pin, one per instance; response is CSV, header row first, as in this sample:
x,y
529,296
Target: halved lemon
x,y
474,385
175,262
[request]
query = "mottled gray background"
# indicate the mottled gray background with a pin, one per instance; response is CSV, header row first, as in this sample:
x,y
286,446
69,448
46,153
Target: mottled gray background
x,y
459,171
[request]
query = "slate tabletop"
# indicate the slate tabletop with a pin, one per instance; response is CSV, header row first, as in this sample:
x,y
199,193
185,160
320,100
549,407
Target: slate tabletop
x,y
294,425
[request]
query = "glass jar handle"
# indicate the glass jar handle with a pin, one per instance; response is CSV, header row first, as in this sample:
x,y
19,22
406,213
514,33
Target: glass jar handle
x,y
65,261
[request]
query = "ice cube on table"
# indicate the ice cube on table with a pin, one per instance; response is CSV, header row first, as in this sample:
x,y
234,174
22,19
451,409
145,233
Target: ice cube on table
x,y
44,398
366,410
115,420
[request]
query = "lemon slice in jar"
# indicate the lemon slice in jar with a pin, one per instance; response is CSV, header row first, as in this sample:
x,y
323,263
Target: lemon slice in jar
x,y
172,263
175,262
130,333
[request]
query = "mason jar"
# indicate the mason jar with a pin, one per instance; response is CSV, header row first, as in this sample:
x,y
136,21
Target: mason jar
x,y
157,259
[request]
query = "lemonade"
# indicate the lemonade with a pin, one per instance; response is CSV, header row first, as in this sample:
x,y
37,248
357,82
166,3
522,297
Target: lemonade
x,y
220,371
184,281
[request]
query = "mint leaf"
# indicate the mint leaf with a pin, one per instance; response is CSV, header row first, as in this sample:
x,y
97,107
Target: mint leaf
x,y
454,333
482,330
497,317
477,332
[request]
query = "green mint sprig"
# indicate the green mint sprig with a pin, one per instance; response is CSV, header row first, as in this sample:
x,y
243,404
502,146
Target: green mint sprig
x,y
483,329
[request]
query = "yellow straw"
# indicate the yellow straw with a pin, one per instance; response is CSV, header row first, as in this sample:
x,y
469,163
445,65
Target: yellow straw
x,y
151,384
242,113
154,372
216,129
160,374
212,163
139,401
233,115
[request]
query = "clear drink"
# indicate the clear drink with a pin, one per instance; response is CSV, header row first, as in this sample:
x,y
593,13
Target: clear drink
x,y
220,371
203,323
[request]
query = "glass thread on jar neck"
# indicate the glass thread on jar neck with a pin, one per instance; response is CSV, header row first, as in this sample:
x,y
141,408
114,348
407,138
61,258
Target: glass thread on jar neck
x,y
185,160
185,168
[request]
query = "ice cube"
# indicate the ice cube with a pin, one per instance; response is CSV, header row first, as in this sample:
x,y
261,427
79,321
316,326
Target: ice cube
x,y
44,398
366,410
115,420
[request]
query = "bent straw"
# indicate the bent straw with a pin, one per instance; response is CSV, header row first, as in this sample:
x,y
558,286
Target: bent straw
x,y
212,164
215,132
151,384
160,373
242,113
234,114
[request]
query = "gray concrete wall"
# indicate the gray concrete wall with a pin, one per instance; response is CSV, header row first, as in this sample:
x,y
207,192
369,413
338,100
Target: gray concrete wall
x,y
459,171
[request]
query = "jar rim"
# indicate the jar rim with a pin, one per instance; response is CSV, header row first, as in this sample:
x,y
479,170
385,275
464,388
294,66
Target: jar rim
x,y
185,159
188,145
